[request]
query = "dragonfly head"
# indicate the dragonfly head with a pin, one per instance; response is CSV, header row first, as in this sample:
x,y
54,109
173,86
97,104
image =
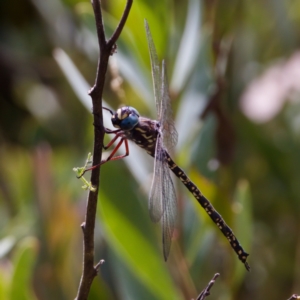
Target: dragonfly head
x,y
125,118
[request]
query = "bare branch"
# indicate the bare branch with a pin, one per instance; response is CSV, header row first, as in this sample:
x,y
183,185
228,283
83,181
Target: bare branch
x,y
99,24
89,270
206,291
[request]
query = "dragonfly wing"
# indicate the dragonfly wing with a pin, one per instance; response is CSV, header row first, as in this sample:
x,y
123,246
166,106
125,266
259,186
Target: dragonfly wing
x,y
155,205
161,93
162,199
155,69
169,132
169,211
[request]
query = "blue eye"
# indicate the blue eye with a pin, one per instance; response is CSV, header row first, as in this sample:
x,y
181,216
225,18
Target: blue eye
x,y
131,120
125,118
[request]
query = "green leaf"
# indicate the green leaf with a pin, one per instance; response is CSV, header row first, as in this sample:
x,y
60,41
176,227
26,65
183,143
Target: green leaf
x,y
188,48
24,262
128,231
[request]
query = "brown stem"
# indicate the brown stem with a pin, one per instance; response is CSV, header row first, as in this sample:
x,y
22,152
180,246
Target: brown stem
x,y
206,291
89,270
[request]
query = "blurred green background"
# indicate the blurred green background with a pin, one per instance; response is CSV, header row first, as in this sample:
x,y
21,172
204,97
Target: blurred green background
x,y
234,73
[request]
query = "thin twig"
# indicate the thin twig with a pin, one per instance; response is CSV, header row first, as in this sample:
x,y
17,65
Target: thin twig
x,y
101,262
106,49
206,291
99,24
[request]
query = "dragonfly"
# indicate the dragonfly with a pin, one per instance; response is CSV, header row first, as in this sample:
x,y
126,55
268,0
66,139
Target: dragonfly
x,y
157,138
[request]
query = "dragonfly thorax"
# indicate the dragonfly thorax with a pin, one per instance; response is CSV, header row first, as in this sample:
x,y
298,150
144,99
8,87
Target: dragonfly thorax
x,y
125,118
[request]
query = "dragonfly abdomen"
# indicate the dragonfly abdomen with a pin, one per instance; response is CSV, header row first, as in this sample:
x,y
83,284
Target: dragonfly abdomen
x,y
214,215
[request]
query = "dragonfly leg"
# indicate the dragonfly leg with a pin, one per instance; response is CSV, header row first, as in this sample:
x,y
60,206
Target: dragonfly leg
x,y
117,135
111,157
109,131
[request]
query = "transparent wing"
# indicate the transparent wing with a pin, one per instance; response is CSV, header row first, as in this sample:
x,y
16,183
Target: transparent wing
x,y
156,78
161,93
169,132
162,200
169,211
155,204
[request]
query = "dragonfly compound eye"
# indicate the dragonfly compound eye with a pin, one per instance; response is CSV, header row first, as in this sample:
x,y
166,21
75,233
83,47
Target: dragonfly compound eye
x,y
125,118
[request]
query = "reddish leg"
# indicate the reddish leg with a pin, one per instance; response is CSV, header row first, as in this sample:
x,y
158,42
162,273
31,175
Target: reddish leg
x,y
111,156
117,135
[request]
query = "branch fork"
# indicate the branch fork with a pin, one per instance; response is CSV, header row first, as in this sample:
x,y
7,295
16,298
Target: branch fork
x,y
107,48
